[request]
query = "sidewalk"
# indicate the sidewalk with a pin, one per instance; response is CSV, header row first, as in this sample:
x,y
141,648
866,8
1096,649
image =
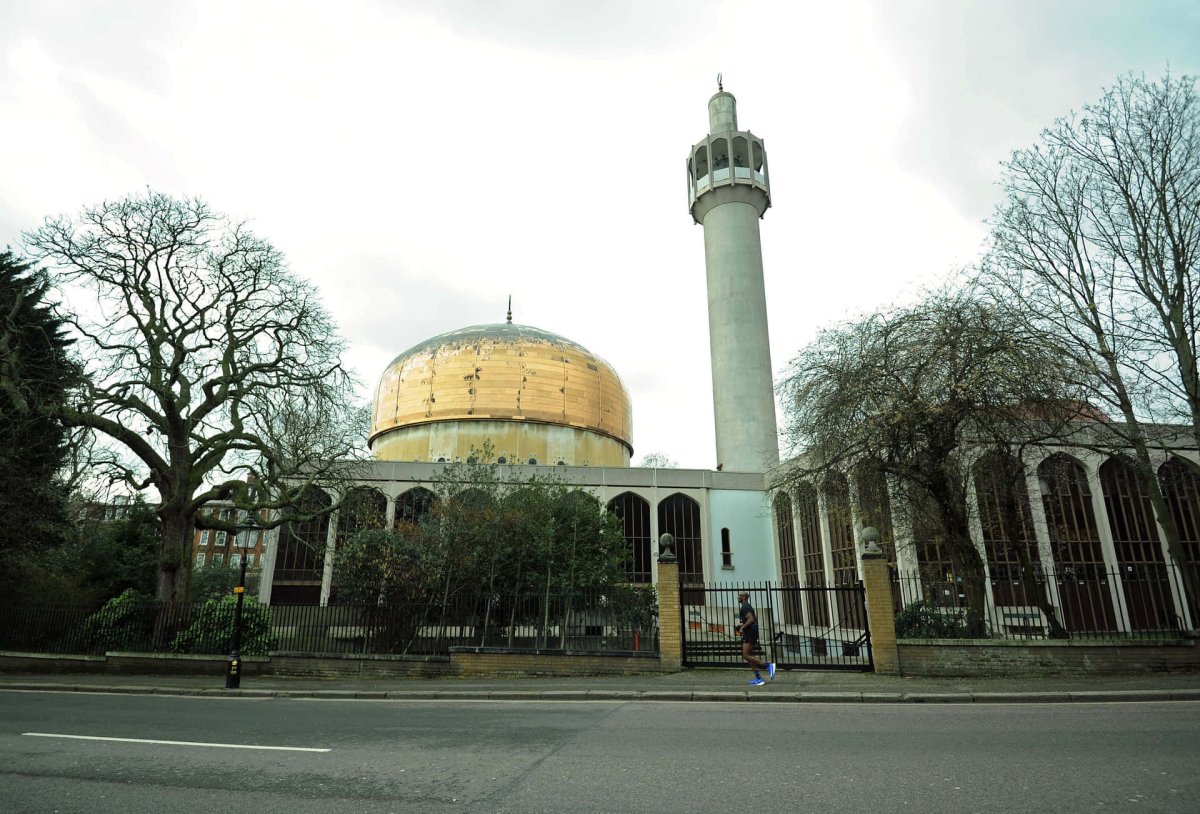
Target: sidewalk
x,y
690,685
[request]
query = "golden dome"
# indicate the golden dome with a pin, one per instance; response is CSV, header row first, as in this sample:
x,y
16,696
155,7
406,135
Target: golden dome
x,y
532,395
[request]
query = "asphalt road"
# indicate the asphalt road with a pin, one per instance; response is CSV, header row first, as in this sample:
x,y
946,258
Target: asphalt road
x,y
436,756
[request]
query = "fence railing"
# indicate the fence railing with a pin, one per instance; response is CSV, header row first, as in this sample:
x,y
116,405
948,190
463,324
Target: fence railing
x,y
201,627
809,628
1137,601
578,622
599,622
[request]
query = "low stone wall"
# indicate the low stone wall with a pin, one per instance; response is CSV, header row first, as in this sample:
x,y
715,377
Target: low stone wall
x,y
983,657
179,664
14,662
499,661
359,666
463,661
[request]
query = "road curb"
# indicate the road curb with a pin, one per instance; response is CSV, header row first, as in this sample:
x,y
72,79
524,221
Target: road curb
x,y
718,696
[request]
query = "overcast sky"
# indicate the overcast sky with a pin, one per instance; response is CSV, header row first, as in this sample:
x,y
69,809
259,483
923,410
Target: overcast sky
x,y
420,161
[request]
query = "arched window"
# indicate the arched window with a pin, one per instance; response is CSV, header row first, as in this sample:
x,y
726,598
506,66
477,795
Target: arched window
x,y
740,156
1144,582
634,512
841,529
789,575
364,507
929,544
297,576
808,518
679,516
1006,519
414,505
701,162
1181,488
1130,516
1075,544
720,156
841,534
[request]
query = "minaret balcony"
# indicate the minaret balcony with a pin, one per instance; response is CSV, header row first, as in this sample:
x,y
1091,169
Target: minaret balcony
x,y
727,159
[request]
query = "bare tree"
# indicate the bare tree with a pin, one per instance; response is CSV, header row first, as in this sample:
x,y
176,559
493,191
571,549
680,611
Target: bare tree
x,y
658,460
212,368
1097,242
917,393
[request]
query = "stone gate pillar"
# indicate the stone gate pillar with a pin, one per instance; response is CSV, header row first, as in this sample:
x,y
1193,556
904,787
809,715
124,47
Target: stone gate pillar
x,y
880,616
670,629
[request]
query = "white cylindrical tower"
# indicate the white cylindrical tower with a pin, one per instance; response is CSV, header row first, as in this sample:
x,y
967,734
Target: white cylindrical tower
x,y
728,192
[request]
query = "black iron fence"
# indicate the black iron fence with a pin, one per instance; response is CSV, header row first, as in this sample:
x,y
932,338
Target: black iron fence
x,y
598,622
621,621
144,627
808,628
1137,601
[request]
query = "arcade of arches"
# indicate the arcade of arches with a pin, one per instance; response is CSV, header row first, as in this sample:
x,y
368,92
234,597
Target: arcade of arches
x,y
1093,521
306,550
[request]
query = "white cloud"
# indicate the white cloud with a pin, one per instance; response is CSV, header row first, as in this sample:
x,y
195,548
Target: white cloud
x,y
420,161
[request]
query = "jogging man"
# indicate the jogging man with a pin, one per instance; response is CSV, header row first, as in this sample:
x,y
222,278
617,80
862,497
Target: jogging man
x,y
748,625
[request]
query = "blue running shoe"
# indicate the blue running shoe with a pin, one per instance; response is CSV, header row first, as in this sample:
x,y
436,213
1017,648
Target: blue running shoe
x,y
771,670
756,681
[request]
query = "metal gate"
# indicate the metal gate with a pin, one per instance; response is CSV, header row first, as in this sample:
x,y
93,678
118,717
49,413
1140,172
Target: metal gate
x,y
799,628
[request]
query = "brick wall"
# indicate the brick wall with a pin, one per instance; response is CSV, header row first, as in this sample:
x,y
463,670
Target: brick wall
x,y
670,632
43,663
179,664
497,661
360,666
880,615
1013,658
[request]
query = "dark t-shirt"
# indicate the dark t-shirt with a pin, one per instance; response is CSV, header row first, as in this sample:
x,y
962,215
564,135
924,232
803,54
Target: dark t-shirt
x,y
744,613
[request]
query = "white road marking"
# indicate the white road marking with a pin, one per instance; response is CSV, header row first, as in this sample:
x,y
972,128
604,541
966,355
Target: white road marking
x,y
176,743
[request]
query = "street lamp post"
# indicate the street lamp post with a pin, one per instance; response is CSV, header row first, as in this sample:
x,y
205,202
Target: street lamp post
x,y
245,539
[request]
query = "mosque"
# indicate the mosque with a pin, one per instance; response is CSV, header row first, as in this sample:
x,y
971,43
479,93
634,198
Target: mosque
x,y
537,399
542,402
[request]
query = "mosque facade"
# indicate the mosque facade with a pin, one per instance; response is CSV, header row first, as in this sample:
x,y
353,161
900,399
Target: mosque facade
x,y
543,404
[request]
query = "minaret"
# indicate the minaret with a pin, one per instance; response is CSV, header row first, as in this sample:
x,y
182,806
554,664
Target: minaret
x,y
728,191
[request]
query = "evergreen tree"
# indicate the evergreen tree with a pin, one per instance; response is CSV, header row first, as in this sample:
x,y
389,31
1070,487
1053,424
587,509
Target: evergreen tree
x,y
36,376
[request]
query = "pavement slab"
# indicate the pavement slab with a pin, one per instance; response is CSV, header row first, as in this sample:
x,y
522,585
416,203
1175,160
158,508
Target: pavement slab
x,y
701,685
938,697
831,697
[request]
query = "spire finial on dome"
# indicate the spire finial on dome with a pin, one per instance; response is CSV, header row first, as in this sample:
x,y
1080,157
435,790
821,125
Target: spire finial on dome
x,y
510,309
720,85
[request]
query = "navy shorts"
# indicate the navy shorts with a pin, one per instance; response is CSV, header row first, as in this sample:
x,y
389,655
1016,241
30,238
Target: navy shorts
x,y
750,634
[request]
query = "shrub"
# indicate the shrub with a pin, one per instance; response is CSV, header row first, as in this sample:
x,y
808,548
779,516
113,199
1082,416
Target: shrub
x,y
214,580
634,607
125,622
924,620
212,629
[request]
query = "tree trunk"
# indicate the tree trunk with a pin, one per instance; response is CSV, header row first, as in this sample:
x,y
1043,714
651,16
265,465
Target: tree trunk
x,y
174,557
964,557
968,566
